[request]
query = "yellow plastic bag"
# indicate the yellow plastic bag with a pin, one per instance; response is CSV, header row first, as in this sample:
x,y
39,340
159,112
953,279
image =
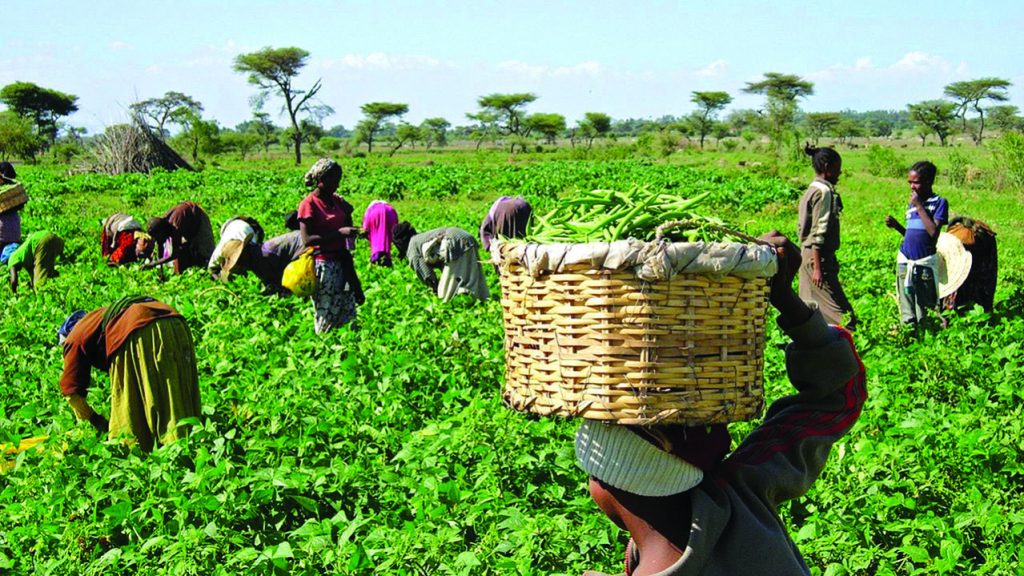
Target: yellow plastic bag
x,y
300,275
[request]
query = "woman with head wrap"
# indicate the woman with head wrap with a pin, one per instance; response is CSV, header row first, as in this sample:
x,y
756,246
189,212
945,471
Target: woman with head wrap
x,y
122,240
379,222
10,221
453,250
38,257
182,235
147,349
240,228
507,218
325,223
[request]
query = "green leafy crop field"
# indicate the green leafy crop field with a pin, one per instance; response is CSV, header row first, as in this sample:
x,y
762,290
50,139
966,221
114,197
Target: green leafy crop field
x,y
384,448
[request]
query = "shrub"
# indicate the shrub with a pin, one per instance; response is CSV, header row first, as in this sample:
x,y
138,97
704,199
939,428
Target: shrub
x,y
883,161
957,169
1009,154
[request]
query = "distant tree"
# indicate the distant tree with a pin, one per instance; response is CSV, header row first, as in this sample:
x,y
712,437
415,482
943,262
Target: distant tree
x,y
43,105
594,125
374,115
847,129
935,115
1006,118
970,93
338,131
435,131
508,112
709,104
743,120
262,127
547,124
486,127
273,70
405,133
312,131
18,137
242,141
781,92
820,123
198,135
164,109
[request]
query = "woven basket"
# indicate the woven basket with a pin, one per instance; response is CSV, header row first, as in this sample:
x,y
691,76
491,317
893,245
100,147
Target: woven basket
x,y
12,198
605,345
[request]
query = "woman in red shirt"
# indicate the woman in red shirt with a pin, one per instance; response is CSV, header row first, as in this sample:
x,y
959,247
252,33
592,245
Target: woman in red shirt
x,y
325,222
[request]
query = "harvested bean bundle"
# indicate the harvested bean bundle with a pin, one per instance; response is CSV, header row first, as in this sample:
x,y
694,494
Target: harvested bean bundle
x,y
610,215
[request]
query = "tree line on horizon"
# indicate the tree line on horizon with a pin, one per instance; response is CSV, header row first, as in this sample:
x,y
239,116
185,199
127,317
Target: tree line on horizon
x,y
32,123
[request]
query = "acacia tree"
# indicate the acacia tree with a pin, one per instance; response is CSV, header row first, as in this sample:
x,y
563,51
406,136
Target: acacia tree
x,y
1006,118
594,125
17,137
820,123
508,113
169,107
435,131
709,104
970,93
43,105
273,70
549,125
486,128
198,135
375,114
781,92
405,133
934,115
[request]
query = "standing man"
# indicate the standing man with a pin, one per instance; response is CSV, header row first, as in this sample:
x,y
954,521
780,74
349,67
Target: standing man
x,y
917,261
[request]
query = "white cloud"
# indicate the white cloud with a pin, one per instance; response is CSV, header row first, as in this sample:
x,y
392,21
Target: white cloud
x,y
920,62
119,45
380,61
589,68
716,68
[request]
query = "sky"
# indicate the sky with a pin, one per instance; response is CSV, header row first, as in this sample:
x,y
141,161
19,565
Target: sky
x,y
635,59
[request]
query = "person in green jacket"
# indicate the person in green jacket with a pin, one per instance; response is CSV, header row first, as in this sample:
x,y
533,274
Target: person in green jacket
x,y
37,256
689,508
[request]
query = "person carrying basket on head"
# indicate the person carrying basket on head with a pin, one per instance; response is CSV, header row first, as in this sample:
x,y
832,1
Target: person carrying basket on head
x,y
690,506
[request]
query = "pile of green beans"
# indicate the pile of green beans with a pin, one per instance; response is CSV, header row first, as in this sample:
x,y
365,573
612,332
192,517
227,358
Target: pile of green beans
x,y
610,215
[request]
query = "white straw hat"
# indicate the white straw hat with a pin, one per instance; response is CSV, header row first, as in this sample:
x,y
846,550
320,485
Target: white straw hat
x,y
954,263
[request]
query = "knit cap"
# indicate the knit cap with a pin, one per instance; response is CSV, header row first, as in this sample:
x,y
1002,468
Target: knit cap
x,y
630,459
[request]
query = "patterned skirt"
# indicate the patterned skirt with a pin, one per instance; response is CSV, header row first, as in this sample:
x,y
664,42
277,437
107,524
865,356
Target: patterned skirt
x,y
334,302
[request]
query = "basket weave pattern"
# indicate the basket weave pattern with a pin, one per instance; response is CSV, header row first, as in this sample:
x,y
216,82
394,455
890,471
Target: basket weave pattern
x,y
12,197
604,345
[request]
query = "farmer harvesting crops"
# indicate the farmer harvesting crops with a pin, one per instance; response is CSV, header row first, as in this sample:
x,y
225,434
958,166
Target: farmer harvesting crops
x,y
10,220
688,510
818,227
325,222
507,218
123,241
38,257
379,222
453,250
240,228
183,235
267,261
146,347
917,262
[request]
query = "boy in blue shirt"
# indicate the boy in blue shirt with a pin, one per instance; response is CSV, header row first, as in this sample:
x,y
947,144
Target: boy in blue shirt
x,y
917,261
